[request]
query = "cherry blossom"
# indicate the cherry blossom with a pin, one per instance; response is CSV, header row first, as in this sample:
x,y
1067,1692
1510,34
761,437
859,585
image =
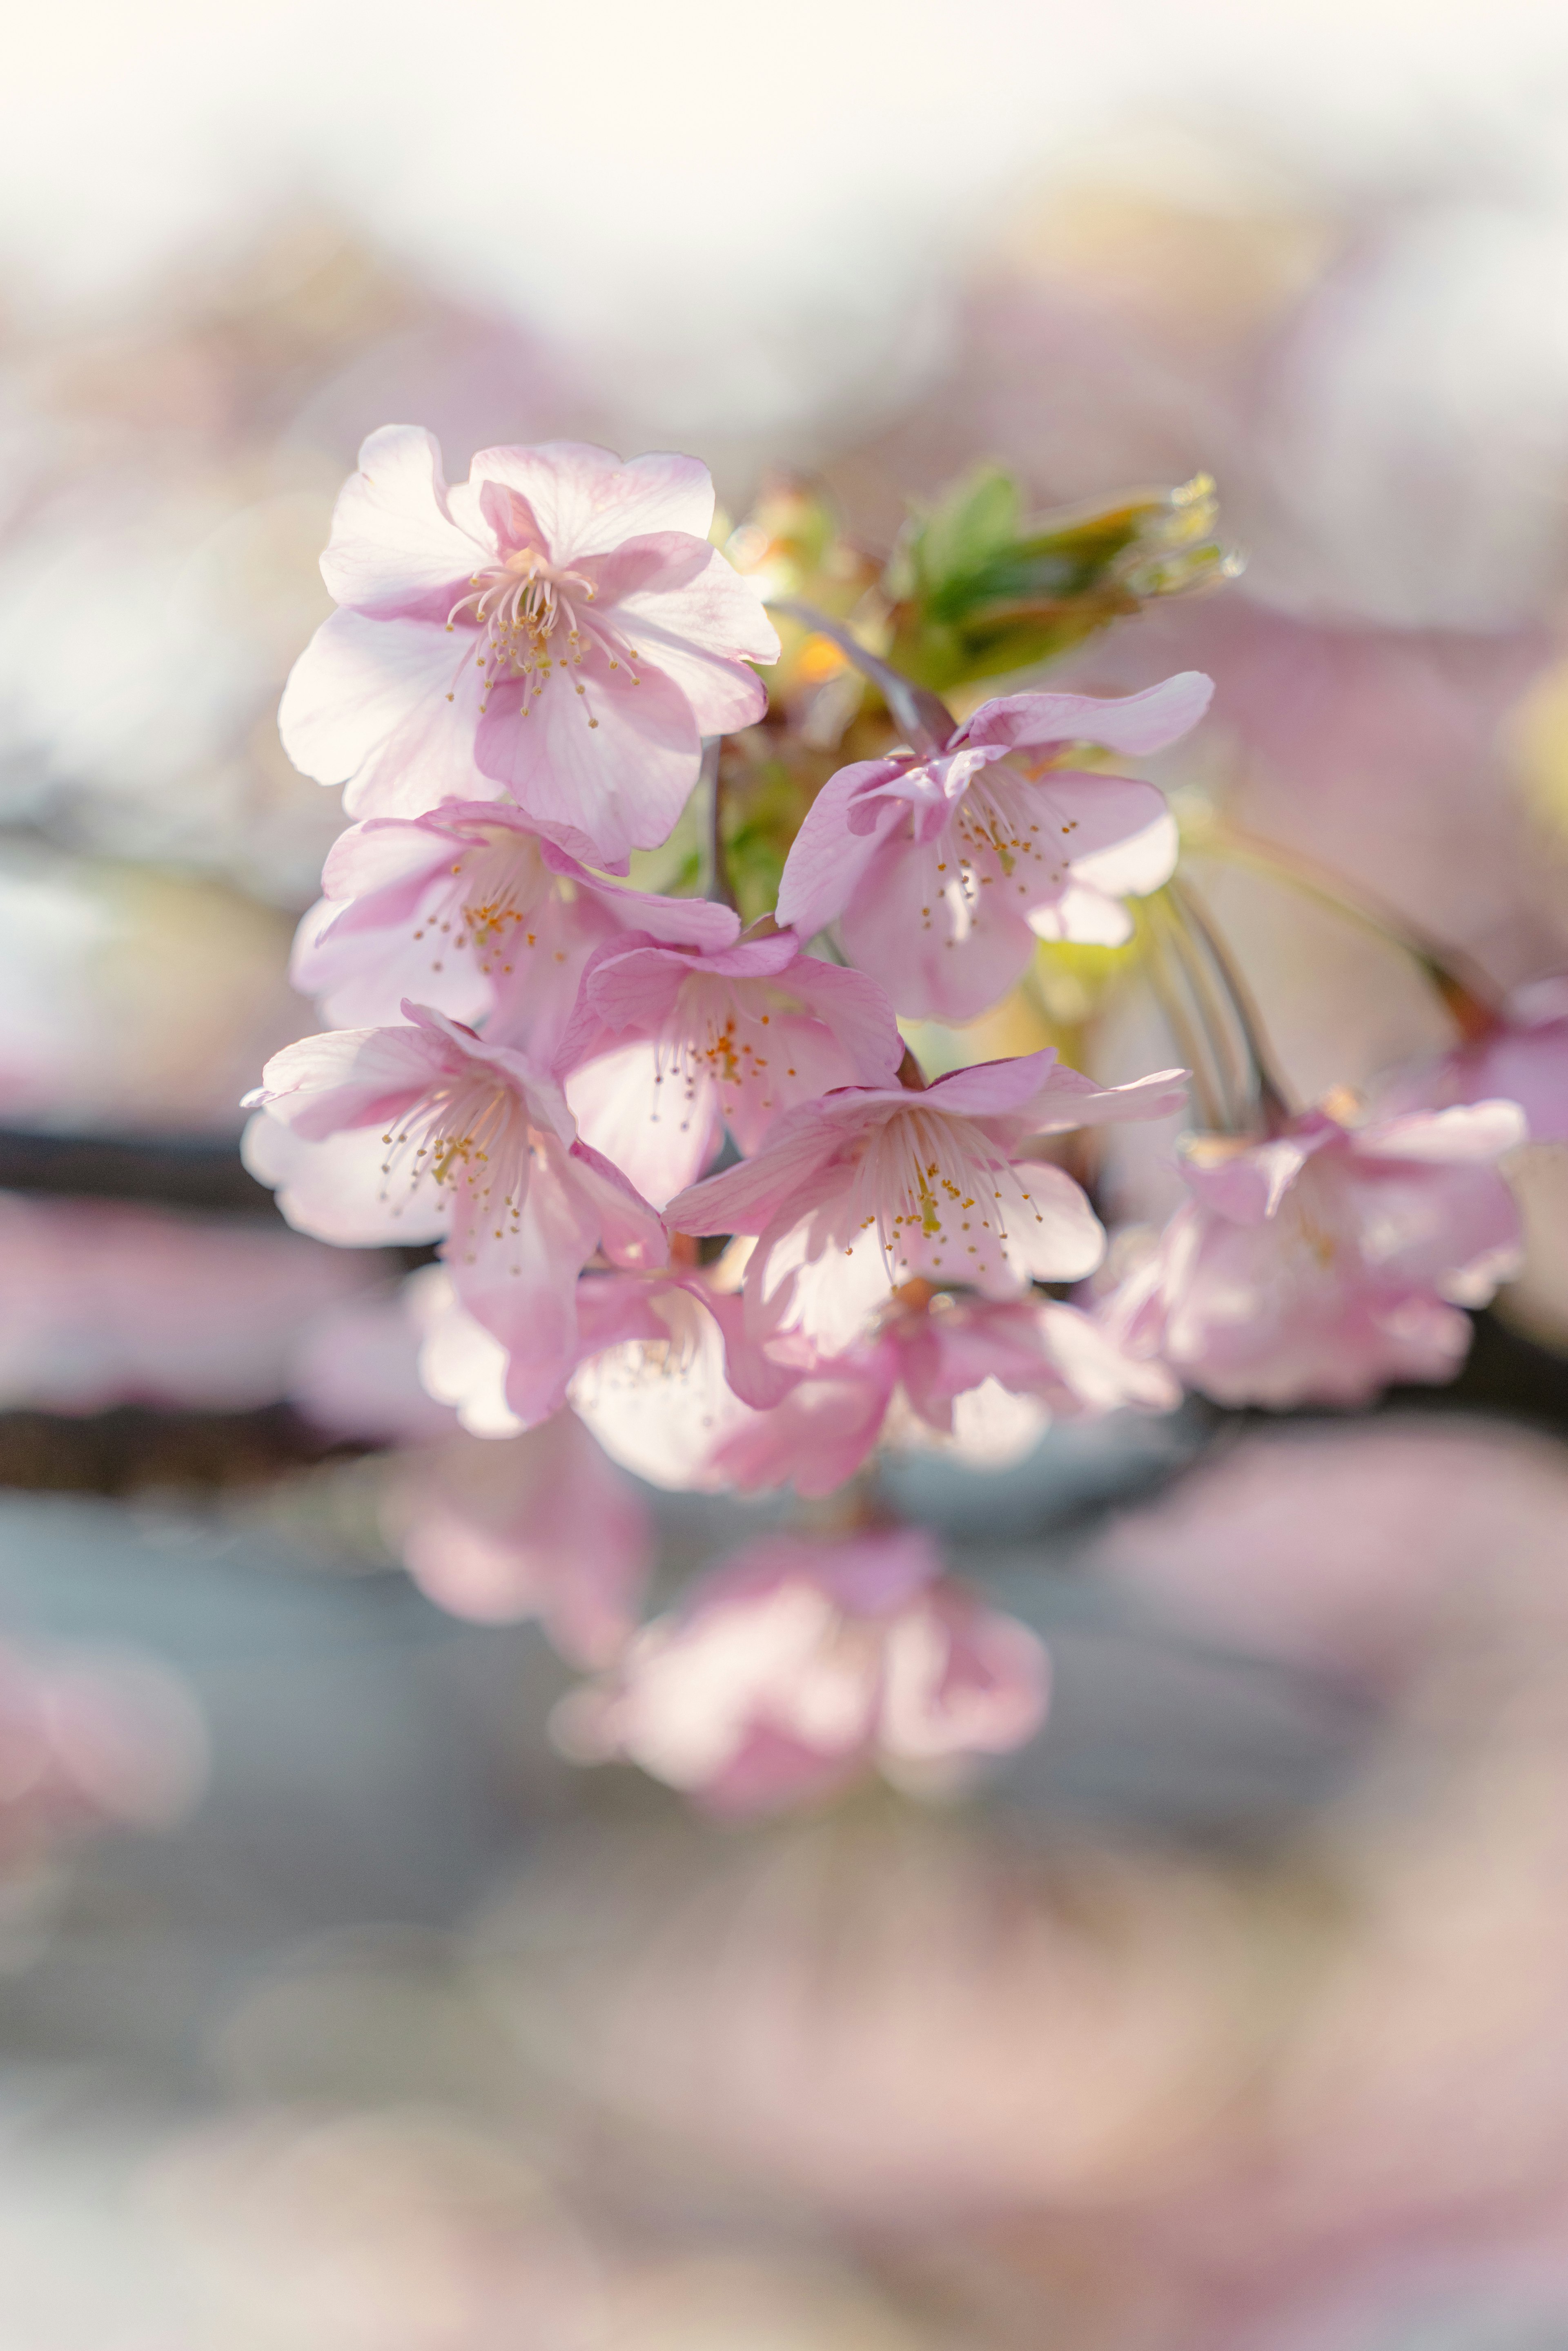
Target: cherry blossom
x,y
557,628
900,851
981,1377
874,1187
1521,1057
537,1525
471,909
669,1046
425,1133
801,1664
1320,1263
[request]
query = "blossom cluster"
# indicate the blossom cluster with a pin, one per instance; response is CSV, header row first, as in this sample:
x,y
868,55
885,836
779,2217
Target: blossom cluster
x,y
689,1185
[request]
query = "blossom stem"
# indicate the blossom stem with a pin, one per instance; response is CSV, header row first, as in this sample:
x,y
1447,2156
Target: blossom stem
x,y
1240,1002
717,881
924,716
1172,983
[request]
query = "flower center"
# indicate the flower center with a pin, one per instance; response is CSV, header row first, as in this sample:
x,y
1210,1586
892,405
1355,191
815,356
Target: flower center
x,y
533,623
470,1132
491,902
997,828
710,1039
927,1186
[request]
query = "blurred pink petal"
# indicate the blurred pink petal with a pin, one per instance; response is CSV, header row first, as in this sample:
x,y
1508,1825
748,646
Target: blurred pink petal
x,y
1324,1263
803,1664
536,1525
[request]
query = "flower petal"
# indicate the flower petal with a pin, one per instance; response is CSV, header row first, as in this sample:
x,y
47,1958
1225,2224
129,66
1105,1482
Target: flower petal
x,y
396,551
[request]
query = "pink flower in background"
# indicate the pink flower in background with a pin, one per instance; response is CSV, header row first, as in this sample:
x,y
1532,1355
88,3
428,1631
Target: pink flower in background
x,y
1320,1264
108,1304
469,908
668,1047
803,1664
902,850
872,1187
559,622
536,1525
1522,1057
423,1133
86,1741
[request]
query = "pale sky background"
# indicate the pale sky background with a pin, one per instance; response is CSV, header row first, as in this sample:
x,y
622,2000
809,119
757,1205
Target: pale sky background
x,y
590,162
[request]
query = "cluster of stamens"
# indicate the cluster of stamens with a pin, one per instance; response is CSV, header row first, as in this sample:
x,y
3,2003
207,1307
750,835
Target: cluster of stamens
x,y
471,1135
994,831
493,903
527,610
927,1180
705,1043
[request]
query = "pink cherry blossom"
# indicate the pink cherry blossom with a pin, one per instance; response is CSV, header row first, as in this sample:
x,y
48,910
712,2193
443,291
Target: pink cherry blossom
x,y
801,1664
871,1188
900,851
556,627
1319,1265
662,1363
537,1525
669,1046
1523,1058
471,909
984,1377
423,1133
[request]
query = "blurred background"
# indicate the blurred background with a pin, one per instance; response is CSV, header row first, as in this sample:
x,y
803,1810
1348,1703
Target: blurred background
x,y
335,2009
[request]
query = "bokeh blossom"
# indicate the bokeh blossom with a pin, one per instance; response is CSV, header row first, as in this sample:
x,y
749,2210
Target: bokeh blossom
x,y
803,1664
1328,1261
557,626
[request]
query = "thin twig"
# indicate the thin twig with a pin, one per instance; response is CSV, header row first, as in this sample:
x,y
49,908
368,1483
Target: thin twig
x,y
1271,1099
1167,976
717,883
924,715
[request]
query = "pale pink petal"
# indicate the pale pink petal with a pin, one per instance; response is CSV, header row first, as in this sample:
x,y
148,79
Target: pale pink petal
x,y
818,1435
1090,818
1133,723
1469,1131
587,501
657,1139
396,551
1085,916
336,1190
701,632
939,957
1132,868
623,782
1050,1229
349,1077
539,1525
744,1199
828,859
1037,1093
366,705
